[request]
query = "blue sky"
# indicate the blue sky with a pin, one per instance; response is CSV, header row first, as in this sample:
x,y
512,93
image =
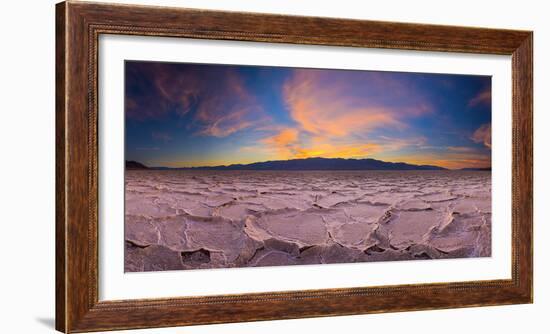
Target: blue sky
x,y
183,115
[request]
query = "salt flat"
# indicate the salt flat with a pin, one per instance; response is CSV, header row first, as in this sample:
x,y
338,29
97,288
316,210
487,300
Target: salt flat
x,y
218,219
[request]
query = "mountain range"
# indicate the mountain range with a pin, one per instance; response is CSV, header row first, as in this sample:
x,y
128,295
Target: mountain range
x,y
303,164
135,165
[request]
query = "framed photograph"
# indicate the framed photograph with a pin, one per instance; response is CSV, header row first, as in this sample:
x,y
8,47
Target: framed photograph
x,y
223,167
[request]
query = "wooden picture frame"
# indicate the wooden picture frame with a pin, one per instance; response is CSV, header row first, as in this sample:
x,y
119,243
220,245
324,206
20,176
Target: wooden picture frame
x,y
78,26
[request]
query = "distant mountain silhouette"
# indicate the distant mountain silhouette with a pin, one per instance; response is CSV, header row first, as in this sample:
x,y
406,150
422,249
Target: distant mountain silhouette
x,y
478,168
135,165
317,164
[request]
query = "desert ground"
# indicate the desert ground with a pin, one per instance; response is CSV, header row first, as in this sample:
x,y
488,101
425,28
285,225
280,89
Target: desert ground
x,y
183,219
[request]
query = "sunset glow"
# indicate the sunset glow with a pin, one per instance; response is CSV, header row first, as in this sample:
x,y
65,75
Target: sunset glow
x,y
185,115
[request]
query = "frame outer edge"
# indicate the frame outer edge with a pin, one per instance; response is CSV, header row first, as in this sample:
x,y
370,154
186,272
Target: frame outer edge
x,y
523,69
61,316
73,258
79,310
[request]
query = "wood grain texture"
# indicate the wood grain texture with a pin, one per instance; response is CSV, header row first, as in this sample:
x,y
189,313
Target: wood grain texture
x,y
78,26
60,180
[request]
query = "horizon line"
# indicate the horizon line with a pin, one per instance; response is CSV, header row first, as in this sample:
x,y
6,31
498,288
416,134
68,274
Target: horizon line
x,y
308,158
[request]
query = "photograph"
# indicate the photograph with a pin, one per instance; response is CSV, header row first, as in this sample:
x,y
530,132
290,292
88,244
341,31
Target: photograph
x,y
249,166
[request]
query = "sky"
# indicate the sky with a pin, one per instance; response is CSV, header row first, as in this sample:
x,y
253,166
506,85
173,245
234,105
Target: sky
x,y
188,115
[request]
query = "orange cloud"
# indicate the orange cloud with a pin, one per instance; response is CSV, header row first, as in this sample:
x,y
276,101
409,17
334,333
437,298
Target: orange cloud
x,y
483,135
483,97
287,144
327,150
451,160
328,109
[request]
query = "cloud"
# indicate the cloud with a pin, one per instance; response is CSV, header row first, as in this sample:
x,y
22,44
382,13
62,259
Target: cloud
x,y
346,114
483,135
214,100
461,149
161,136
451,160
341,103
147,148
217,124
329,150
394,144
483,98
285,143
334,112
289,143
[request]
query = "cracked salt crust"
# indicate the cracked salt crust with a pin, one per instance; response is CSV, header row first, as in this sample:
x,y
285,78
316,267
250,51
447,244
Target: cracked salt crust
x,y
210,219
